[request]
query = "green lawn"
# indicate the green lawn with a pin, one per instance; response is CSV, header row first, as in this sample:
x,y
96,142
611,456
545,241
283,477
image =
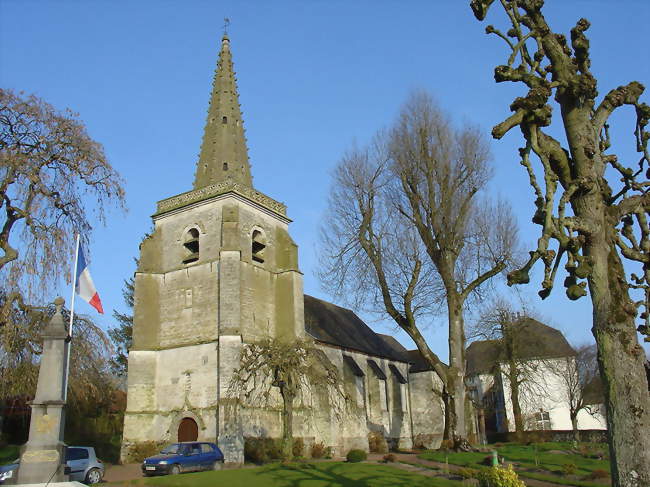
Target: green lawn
x,y
325,474
540,456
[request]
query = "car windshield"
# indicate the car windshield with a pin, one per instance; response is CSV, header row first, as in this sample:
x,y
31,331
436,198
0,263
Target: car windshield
x,y
173,449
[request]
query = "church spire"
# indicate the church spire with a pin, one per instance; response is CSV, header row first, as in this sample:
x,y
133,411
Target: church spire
x,y
224,154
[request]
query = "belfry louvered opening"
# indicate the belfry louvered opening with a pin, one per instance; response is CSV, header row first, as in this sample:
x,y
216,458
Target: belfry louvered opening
x,y
191,245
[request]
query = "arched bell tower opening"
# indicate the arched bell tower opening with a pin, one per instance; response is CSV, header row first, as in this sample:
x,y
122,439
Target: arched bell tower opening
x,y
188,430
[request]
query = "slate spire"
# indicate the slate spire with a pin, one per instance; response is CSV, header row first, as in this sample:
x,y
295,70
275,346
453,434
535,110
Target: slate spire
x,y
224,154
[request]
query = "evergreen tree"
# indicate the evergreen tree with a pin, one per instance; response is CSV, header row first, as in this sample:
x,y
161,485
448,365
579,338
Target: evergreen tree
x,y
122,334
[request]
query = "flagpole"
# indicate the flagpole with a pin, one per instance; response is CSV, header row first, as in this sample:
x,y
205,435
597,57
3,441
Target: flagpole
x,y
69,340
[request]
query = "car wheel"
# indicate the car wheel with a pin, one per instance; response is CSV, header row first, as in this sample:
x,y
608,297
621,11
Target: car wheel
x,y
175,470
94,476
218,465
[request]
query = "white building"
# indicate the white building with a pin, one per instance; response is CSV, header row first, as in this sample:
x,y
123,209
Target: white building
x,y
545,370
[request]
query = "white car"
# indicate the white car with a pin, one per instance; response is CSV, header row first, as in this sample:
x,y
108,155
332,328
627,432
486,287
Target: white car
x,y
81,461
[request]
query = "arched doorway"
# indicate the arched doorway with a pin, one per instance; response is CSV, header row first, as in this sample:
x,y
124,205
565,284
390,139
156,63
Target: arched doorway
x,y
188,430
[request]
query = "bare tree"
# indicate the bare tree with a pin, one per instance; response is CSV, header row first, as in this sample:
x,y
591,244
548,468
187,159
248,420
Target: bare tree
x,y
579,377
408,227
502,325
49,169
591,206
296,369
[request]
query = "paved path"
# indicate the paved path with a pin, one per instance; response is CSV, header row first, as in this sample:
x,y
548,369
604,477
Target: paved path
x,y
122,473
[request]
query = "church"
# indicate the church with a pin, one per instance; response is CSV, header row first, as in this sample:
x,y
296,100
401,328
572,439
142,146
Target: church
x,y
219,271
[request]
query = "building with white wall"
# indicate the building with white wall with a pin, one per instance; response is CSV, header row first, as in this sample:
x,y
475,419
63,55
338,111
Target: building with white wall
x,y
544,370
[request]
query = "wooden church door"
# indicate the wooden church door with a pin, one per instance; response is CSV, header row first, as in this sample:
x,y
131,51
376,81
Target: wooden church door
x,y
188,430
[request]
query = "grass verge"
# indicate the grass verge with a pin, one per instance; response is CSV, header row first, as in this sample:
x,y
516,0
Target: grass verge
x,y
325,474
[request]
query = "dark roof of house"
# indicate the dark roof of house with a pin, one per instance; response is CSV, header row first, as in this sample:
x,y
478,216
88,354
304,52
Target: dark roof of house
x,y
338,326
534,340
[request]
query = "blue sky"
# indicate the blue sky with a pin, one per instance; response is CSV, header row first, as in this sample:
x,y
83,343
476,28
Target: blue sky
x,y
313,76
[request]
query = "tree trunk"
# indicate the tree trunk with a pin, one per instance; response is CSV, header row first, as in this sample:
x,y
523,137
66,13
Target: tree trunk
x,y
456,372
620,357
447,402
621,361
574,425
287,422
514,398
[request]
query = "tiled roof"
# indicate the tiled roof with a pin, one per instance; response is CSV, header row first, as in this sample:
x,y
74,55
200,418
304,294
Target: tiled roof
x,y
338,326
533,340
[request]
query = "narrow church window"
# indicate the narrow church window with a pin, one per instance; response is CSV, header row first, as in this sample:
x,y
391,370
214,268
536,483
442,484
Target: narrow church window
x,y
258,245
191,245
225,166
224,120
383,395
361,390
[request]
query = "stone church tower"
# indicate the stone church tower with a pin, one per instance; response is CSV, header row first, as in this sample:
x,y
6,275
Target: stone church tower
x,y
219,270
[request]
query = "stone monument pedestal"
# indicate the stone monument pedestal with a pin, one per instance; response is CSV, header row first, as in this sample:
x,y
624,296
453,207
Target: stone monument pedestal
x,y
43,457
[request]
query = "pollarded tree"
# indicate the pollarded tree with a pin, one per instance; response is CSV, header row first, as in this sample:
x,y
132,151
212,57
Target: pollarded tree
x,y
408,228
296,369
54,180
591,206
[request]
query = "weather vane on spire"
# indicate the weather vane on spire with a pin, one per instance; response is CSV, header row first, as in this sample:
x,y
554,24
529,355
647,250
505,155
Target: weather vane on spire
x,y
226,23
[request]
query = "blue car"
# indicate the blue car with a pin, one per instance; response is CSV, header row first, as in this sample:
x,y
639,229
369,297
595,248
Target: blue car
x,y
191,456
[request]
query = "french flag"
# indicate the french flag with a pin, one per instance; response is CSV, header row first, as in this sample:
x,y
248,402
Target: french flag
x,y
85,287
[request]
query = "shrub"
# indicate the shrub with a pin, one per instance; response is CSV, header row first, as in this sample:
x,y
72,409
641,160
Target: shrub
x,y
499,477
254,451
597,474
390,458
377,442
569,468
298,448
318,450
467,473
329,452
262,450
143,449
355,456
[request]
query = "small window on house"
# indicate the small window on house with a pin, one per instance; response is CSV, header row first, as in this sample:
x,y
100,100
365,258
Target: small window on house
x,y
191,246
258,246
224,120
542,420
225,166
